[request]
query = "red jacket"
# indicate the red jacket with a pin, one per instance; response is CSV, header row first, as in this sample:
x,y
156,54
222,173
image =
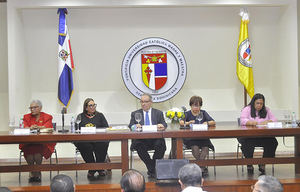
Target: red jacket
x,y
44,120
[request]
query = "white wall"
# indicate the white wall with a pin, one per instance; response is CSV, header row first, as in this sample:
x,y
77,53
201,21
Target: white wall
x,y
102,32
206,35
3,68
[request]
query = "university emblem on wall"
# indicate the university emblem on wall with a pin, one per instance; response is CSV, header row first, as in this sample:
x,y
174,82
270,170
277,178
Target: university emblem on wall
x,y
154,70
155,66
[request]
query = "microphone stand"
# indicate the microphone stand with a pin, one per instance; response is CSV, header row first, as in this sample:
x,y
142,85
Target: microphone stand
x,y
63,111
184,125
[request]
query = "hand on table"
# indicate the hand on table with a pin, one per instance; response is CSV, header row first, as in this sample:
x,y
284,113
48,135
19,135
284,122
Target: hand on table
x,y
160,127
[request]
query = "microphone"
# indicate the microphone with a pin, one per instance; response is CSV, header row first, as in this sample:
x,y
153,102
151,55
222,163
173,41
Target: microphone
x,y
63,112
184,112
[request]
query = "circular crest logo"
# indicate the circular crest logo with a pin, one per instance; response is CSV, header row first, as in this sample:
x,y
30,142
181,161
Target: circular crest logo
x,y
155,66
245,53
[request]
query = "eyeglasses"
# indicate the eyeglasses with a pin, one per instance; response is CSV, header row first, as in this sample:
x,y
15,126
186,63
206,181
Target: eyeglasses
x,y
145,101
253,188
92,105
34,107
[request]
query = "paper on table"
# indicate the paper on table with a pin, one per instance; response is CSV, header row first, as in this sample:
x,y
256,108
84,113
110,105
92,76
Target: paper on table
x,y
149,128
21,131
275,125
100,130
199,127
118,128
88,129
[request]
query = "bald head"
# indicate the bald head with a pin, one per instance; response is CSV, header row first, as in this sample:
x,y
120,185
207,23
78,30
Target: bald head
x,y
132,181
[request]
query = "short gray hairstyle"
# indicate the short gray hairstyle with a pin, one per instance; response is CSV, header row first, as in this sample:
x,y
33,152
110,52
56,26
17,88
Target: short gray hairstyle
x,y
4,189
190,175
147,94
38,102
62,183
133,181
268,183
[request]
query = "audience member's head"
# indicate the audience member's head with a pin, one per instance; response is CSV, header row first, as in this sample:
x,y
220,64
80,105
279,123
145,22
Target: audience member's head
x,y
190,175
62,183
267,183
4,189
132,181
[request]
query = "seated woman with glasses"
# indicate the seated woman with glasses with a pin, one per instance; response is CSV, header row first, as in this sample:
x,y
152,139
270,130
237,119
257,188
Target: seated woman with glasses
x,y
92,152
256,113
198,116
34,153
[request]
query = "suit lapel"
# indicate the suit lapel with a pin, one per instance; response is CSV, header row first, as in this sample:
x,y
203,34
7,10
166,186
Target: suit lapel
x,y
153,117
142,112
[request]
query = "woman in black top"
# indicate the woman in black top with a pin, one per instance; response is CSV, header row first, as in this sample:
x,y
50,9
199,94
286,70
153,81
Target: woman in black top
x,y
92,152
197,144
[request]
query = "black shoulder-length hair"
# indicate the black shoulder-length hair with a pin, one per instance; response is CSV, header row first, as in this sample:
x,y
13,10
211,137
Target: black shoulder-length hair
x,y
85,104
263,112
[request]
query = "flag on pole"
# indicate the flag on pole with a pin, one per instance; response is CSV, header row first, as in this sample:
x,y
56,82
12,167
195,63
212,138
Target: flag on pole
x,y
244,62
65,60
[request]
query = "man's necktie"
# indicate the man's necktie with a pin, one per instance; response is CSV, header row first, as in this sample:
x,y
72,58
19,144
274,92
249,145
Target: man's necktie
x,y
147,121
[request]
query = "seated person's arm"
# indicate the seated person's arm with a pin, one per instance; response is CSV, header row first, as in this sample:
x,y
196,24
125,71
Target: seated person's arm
x,y
265,122
161,125
181,122
26,122
208,119
245,117
47,123
270,116
251,123
210,123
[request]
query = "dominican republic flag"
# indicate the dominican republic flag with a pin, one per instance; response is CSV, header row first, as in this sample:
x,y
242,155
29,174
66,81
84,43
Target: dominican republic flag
x,y
65,60
154,70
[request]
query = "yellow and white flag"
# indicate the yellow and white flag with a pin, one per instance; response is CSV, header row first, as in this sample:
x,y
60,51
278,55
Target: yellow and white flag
x,y
244,62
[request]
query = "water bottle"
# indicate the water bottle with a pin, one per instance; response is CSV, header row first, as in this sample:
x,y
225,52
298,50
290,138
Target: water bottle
x,y
72,125
21,123
294,122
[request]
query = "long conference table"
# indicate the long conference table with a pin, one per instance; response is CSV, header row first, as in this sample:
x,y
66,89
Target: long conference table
x,y
176,134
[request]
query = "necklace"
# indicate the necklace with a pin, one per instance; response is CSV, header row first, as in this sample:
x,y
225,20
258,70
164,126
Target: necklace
x,y
90,115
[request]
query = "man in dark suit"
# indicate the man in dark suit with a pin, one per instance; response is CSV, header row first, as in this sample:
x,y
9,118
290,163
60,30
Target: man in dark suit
x,y
150,116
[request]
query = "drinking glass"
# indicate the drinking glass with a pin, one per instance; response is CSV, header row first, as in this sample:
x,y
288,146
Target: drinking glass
x,y
199,117
77,122
138,118
287,119
12,121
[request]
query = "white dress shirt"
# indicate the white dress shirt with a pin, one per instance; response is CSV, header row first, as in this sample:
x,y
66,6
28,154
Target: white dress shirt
x,y
192,189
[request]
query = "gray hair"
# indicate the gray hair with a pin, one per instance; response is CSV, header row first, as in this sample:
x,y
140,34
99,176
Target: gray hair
x,y
133,181
38,102
62,183
147,94
190,175
268,183
4,189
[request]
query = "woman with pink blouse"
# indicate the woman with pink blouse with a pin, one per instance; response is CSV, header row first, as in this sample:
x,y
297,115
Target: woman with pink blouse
x,y
256,113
